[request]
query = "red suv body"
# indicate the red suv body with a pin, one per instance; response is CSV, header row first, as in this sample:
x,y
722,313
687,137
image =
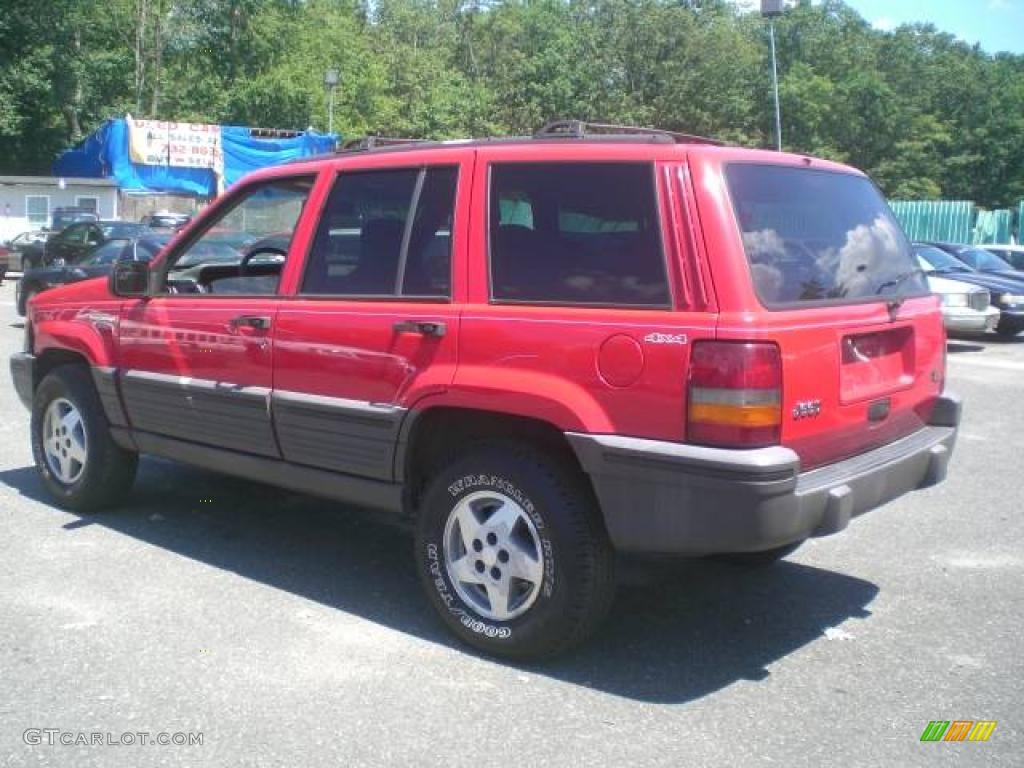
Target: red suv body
x,y
540,351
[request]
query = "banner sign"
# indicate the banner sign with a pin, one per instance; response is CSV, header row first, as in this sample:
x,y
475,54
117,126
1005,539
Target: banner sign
x,y
180,145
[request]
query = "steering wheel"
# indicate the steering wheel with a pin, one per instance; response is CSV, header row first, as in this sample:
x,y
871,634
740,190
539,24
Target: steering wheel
x,y
243,265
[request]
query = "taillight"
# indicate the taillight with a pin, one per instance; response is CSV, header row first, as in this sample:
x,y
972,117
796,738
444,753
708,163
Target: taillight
x,y
735,394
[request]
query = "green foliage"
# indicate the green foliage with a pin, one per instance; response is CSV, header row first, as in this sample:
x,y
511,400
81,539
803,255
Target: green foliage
x,y
925,114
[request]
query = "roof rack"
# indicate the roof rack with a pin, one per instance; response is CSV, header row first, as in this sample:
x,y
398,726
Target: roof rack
x,y
580,129
365,143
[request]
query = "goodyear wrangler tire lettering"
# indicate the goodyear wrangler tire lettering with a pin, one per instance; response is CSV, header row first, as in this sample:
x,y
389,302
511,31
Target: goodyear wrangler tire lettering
x,y
515,560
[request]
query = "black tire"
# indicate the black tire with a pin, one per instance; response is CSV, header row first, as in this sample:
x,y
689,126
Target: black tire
x,y
1007,331
759,559
578,583
108,471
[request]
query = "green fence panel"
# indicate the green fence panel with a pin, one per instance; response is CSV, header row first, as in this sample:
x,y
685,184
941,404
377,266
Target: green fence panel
x,y
943,220
993,226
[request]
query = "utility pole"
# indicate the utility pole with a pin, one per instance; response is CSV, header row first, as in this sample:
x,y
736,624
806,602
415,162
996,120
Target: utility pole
x,y
331,79
770,9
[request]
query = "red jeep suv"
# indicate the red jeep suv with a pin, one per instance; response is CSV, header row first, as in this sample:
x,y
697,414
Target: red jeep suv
x,y
537,351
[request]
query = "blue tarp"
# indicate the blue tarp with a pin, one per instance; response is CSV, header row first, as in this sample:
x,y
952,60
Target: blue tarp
x,y
105,154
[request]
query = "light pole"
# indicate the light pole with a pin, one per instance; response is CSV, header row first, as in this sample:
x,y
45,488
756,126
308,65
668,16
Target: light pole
x,y
330,83
770,9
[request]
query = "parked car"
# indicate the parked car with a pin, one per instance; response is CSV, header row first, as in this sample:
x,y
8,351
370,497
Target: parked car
x,y
94,263
534,351
980,259
966,308
165,220
1012,254
76,240
16,245
1005,292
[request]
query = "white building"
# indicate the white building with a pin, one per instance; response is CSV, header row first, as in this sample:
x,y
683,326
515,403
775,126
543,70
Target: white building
x,y
27,202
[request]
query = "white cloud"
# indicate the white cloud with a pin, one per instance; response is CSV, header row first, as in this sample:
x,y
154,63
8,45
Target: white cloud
x,y
999,5
884,23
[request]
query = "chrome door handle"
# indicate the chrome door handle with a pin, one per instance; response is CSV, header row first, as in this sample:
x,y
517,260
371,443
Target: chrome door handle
x,y
422,327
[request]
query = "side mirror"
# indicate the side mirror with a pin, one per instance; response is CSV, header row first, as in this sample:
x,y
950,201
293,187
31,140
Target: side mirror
x,y
130,279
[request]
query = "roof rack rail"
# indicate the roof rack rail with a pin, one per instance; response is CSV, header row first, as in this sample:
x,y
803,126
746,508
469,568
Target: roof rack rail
x,y
580,129
365,143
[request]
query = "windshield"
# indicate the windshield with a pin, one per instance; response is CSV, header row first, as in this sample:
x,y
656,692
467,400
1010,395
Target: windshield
x,y
938,261
820,236
983,260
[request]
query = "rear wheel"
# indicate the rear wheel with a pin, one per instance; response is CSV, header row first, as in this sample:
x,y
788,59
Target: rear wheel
x,y
79,462
1007,331
512,553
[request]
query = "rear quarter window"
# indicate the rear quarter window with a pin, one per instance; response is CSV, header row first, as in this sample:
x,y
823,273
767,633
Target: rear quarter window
x,y
819,236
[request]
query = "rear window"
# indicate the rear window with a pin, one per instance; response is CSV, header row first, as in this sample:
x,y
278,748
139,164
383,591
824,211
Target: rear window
x,y
820,236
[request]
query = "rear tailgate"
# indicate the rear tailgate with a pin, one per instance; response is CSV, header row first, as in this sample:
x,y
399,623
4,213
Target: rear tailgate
x,y
836,287
856,383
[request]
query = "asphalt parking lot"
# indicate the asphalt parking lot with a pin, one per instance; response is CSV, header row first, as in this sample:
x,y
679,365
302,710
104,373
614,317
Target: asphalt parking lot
x,y
289,634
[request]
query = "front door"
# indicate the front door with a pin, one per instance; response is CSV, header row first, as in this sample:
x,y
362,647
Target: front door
x,y
372,327
196,357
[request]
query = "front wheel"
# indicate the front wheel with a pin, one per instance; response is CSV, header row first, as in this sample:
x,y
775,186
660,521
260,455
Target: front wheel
x,y
77,459
512,552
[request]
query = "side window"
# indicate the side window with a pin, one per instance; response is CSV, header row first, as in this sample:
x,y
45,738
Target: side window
x,y
243,250
385,233
93,235
576,233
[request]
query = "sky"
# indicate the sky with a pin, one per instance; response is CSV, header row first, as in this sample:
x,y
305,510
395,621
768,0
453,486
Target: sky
x,y
998,25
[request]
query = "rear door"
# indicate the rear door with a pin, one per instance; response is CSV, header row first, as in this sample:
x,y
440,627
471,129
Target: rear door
x,y
810,257
372,327
587,304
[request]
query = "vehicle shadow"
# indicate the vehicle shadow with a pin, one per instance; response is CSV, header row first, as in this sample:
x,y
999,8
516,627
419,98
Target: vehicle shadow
x,y
963,345
997,339
676,633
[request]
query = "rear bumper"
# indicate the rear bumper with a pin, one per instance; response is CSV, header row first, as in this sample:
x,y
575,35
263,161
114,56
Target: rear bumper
x,y
23,372
661,497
